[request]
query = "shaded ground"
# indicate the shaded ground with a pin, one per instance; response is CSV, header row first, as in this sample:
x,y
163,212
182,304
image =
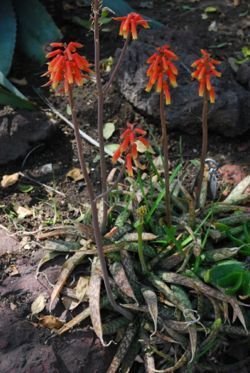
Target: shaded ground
x,y
24,346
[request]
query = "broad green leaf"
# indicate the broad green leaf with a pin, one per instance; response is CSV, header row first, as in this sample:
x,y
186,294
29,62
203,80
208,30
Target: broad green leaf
x,y
36,28
7,35
246,51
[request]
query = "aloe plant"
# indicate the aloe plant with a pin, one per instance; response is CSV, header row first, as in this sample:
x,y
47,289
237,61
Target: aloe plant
x,y
25,25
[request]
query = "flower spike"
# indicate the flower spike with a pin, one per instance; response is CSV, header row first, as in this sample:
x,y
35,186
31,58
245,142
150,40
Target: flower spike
x,y
205,70
162,71
130,138
66,66
129,25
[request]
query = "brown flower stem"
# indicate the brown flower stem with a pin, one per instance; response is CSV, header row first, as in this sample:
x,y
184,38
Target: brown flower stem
x,y
100,104
95,223
204,146
117,66
166,159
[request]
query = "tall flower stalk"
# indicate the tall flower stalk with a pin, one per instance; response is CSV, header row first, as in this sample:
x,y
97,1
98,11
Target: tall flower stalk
x,y
100,104
162,72
205,69
128,30
65,69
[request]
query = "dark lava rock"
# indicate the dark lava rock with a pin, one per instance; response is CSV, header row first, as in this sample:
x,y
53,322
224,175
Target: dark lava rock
x,y
243,74
21,350
26,349
19,131
229,116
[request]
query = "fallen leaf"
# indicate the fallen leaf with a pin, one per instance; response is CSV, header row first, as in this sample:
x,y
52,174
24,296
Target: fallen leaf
x,y
142,148
13,306
12,270
75,174
50,322
67,269
22,212
38,304
108,130
131,237
9,180
111,148
210,9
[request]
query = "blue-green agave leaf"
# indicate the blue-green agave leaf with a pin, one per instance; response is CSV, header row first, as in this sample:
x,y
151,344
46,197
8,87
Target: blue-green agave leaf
x,y
7,35
35,28
10,95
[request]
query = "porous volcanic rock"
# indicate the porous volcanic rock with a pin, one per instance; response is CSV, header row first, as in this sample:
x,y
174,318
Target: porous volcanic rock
x,y
229,116
20,130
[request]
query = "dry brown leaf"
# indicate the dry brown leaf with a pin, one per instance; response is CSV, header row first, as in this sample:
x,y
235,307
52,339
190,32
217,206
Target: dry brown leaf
x,y
82,288
94,299
67,269
22,212
50,322
9,180
75,174
12,270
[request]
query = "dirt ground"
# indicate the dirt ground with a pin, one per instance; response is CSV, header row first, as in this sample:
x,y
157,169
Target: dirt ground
x,y
21,339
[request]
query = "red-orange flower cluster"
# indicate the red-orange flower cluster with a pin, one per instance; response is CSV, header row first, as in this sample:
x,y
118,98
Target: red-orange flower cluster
x,y
161,71
67,67
129,138
205,69
129,25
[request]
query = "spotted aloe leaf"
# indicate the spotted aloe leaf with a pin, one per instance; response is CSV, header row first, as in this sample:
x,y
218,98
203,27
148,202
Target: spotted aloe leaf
x,y
151,300
189,316
122,281
123,348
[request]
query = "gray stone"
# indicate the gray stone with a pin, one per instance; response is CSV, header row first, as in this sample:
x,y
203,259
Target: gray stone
x,y
229,116
8,244
19,131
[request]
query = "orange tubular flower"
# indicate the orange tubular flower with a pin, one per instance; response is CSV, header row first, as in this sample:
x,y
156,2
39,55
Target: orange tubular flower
x,y
205,69
66,67
161,71
129,138
129,25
